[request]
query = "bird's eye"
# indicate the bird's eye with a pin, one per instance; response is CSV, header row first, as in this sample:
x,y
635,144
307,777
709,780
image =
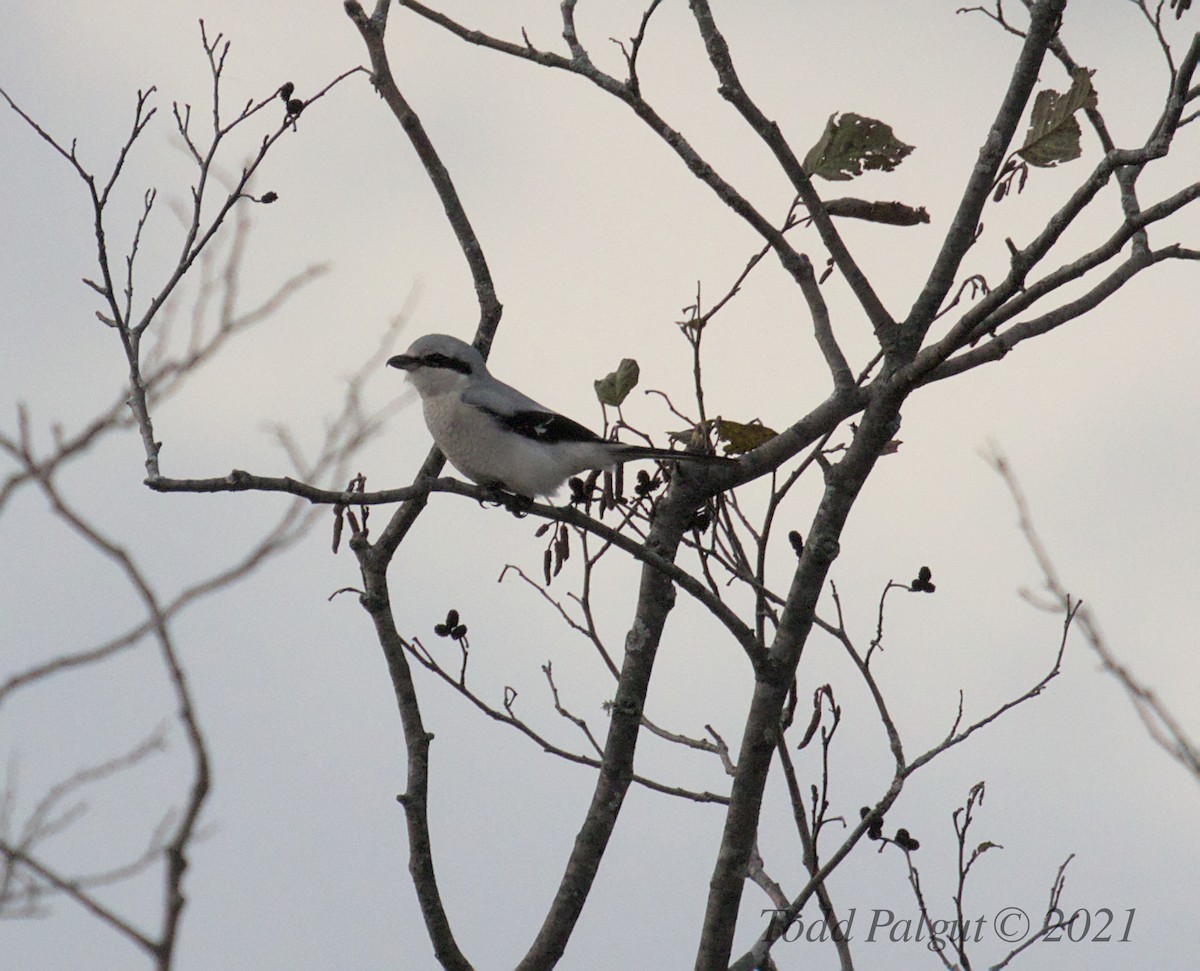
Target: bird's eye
x,y
439,360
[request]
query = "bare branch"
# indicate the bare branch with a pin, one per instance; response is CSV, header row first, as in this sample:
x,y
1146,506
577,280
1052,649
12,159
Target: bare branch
x,y
575,720
732,90
1048,924
957,736
1042,28
509,717
87,901
1160,723
796,264
808,843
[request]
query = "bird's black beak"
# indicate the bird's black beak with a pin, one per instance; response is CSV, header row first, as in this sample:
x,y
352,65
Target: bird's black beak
x,y
405,362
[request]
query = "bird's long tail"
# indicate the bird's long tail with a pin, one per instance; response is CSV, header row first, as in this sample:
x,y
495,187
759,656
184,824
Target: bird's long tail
x,y
628,452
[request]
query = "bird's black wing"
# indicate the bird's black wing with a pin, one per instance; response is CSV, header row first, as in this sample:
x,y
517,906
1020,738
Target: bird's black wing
x,y
543,426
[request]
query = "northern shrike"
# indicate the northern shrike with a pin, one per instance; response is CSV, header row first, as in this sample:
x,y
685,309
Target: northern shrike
x,y
495,435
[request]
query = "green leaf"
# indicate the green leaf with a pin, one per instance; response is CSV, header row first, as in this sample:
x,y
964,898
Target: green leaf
x,y
851,145
739,438
614,388
1054,134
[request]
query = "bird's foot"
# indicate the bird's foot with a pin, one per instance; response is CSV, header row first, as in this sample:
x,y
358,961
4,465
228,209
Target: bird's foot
x,y
519,506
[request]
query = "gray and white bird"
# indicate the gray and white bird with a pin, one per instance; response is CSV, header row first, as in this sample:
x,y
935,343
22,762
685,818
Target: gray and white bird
x,y
498,437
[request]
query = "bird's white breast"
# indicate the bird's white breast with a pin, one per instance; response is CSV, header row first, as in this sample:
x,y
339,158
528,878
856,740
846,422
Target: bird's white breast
x,y
485,452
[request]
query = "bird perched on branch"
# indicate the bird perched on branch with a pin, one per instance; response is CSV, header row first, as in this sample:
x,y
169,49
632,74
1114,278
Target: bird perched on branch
x,y
498,437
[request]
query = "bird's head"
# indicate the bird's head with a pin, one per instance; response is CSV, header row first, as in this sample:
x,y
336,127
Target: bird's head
x,y
437,363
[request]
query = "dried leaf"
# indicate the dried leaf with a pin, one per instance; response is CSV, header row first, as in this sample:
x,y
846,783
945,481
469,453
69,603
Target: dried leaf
x,y
890,213
1054,133
739,438
338,520
813,722
614,388
851,145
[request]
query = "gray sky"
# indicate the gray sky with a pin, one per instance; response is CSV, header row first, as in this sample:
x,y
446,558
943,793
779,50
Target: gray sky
x,y
596,237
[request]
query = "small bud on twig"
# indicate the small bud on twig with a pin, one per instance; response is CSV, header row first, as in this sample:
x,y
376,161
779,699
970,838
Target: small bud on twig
x,y
921,584
451,628
797,542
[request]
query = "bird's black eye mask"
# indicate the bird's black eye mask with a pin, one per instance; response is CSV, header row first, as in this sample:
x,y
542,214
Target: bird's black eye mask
x,y
449,363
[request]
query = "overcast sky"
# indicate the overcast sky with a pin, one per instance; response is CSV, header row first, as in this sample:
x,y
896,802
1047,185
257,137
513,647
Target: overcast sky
x,y
596,237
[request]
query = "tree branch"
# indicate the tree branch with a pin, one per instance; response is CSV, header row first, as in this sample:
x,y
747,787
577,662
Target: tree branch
x,y
733,91
655,600
87,901
1044,20
796,264
774,679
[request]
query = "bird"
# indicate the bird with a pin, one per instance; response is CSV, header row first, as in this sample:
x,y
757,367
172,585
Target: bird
x,y
500,438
